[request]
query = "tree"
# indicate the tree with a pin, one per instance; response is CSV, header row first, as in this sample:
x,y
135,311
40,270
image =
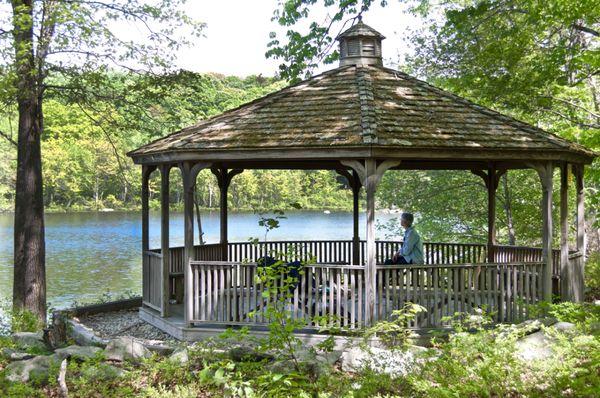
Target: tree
x,y
76,40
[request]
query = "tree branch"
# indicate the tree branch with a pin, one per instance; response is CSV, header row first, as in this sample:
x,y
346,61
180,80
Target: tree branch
x,y
8,138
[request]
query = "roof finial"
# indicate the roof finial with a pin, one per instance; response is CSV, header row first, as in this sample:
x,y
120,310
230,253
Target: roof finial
x,y
360,45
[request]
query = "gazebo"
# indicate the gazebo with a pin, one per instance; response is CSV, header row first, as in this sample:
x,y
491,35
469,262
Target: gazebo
x,y
360,119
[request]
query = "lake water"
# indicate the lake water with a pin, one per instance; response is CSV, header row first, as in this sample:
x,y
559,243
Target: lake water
x,y
89,254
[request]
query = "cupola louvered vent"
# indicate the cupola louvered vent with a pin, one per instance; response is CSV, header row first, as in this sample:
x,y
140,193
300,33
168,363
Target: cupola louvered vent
x,y
360,45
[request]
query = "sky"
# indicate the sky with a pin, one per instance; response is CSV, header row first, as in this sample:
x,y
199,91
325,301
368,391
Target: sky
x,y
237,34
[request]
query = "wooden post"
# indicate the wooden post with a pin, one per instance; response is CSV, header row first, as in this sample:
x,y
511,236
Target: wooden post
x,y
356,260
164,238
492,185
491,180
189,172
355,217
545,172
578,273
224,178
370,175
223,188
371,260
565,283
146,172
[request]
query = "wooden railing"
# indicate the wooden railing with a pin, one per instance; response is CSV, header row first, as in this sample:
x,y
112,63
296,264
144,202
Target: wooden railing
x,y
339,252
151,280
504,291
226,292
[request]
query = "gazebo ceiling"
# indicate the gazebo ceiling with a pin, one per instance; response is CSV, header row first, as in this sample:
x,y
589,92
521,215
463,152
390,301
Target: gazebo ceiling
x,y
361,110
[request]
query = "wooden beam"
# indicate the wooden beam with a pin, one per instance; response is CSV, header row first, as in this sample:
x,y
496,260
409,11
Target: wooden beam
x,y
545,172
579,280
164,238
189,172
276,153
565,281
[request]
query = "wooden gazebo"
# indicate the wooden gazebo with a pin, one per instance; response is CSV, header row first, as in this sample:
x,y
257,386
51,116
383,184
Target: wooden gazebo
x,y
360,120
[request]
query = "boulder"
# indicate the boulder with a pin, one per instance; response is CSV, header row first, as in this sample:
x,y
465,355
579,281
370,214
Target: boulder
x,y
34,369
565,327
80,353
393,362
29,340
248,354
83,335
538,345
309,361
126,348
180,356
534,346
159,347
15,355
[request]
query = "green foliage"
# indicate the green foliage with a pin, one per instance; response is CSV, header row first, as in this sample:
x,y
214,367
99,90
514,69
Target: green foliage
x,y
584,315
13,320
395,333
592,276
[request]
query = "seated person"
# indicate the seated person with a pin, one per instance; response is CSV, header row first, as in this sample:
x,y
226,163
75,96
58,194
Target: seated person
x,y
411,251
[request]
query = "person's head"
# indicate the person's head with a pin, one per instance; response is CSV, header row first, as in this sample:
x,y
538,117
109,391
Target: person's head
x,y
406,220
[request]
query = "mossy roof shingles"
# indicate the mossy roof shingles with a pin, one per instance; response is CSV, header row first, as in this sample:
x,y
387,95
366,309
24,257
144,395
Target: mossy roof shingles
x,y
354,106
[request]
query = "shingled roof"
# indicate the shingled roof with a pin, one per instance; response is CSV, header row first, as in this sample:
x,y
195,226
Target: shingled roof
x,y
364,106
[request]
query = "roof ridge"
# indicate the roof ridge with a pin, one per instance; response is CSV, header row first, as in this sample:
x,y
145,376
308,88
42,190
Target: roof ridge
x,y
368,113
555,139
263,101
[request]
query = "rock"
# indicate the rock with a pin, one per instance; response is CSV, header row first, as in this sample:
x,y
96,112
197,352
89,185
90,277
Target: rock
x,y
29,340
84,336
35,369
180,356
14,355
248,354
309,361
281,367
565,327
102,372
381,360
126,348
534,347
80,353
159,347
329,358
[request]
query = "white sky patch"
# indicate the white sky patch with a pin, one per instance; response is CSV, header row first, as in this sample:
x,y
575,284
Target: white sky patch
x,y
237,34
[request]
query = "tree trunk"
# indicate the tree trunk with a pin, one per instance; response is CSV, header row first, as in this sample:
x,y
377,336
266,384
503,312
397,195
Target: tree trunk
x,y
29,286
508,210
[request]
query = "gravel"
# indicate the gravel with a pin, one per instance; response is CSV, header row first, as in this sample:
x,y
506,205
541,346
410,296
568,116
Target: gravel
x,y
123,323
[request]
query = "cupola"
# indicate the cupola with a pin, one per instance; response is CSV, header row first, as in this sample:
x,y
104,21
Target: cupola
x,y
360,45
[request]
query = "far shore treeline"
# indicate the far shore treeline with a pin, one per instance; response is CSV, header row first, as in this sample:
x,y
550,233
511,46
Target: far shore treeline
x,y
85,167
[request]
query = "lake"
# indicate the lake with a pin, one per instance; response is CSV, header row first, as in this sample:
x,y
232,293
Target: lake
x,y
90,254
